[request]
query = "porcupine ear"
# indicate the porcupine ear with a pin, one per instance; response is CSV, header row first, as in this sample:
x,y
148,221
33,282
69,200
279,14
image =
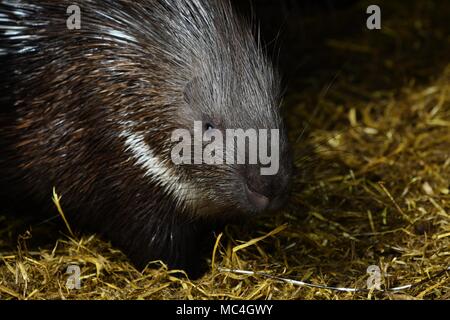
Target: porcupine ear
x,y
190,92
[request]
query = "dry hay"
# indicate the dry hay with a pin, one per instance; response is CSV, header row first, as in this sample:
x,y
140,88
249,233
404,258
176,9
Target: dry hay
x,y
372,188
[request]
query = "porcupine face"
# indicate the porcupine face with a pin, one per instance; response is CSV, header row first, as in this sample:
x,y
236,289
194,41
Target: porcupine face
x,y
238,99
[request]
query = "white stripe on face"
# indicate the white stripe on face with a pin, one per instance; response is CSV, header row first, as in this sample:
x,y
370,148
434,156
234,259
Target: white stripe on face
x,y
157,169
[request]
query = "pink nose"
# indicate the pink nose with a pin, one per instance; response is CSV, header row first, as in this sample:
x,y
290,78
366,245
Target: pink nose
x,y
258,200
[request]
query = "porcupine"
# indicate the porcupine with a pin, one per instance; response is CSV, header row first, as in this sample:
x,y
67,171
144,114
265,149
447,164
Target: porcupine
x,y
90,111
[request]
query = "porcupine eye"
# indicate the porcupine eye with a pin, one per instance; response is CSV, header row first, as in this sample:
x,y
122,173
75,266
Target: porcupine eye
x,y
208,126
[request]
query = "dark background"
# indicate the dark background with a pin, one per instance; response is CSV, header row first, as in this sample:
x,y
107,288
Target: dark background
x,y
315,43
297,33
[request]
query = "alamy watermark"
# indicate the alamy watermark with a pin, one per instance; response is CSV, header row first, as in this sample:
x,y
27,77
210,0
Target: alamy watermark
x,y
374,20
211,147
73,22
74,278
374,280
